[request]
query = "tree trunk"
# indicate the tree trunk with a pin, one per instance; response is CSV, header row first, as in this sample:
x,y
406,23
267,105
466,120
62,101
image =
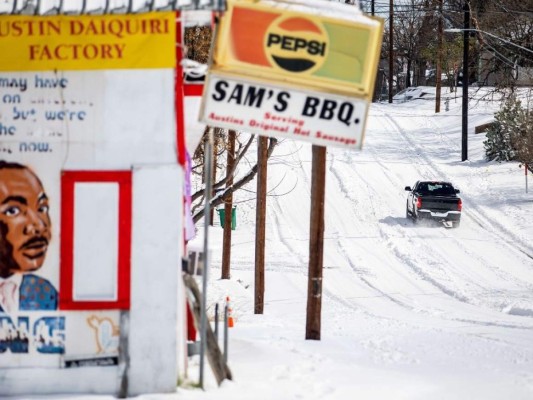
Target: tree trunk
x,y
228,207
214,355
259,289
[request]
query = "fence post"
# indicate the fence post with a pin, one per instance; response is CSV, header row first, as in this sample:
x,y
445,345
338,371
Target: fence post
x,y
216,321
226,334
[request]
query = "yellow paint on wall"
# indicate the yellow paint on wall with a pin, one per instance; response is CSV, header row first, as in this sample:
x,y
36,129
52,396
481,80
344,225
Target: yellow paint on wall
x,y
87,42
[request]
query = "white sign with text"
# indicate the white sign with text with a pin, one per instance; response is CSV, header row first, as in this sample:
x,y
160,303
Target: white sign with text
x,y
320,118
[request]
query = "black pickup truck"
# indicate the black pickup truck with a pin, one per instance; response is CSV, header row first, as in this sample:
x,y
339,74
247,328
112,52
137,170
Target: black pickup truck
x,y
434,200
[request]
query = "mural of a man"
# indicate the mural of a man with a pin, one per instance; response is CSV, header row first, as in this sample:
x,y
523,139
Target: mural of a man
x,y
25,232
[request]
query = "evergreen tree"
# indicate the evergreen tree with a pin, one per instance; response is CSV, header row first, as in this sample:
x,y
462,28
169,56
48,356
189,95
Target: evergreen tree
x,y
499,142
522,140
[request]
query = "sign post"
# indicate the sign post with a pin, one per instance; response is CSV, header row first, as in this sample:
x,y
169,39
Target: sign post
x,y
525,169
303,71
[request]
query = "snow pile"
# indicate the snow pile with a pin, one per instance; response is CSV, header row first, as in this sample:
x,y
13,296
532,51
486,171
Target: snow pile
x,y
407,311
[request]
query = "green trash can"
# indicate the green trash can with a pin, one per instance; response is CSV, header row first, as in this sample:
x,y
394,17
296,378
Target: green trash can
x,y
222,215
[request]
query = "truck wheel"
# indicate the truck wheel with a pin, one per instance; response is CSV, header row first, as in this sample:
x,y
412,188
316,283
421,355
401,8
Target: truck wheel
x,y
407,213
456,224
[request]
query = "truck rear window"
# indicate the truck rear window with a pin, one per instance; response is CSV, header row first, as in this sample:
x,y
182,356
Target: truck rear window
x,y
436,188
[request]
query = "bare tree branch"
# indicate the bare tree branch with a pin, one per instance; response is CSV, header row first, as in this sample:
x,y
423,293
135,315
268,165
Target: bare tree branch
x,y
220,197
240,154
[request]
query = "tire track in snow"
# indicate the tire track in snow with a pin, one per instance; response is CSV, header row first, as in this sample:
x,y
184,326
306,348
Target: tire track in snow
x,y
408,261
479,258
278,230
387,238
403,258
280,234
485,220
373,196
474,212
482,223
341,248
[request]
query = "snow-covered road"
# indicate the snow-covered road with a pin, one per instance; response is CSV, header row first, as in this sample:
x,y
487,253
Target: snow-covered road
x,y
410,311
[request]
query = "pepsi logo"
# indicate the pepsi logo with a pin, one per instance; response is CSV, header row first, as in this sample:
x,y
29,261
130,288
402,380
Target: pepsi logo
x,y
296,44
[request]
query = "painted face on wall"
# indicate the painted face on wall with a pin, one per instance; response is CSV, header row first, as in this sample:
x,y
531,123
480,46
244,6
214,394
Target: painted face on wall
x,y
24,221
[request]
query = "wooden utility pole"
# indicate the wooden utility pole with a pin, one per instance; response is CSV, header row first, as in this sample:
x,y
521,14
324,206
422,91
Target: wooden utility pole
x,y
228,207
214,173
438,72
316,243
375,94
260,217
466,35
391,50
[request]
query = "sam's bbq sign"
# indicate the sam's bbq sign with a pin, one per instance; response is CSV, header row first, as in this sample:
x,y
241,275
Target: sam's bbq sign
x,y
271,110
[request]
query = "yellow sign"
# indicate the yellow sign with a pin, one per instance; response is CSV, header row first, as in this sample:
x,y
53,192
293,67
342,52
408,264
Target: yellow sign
x,y
266,40
86,42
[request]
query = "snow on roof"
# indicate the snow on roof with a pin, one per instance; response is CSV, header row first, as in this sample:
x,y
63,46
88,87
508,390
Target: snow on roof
x,y
330,9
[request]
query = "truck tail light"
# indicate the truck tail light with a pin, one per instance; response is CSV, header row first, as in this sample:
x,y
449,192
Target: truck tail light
x,y
419,202
460,205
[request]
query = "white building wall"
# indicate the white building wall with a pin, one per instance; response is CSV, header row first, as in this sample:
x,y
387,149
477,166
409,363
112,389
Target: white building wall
x,y
155,315
156,270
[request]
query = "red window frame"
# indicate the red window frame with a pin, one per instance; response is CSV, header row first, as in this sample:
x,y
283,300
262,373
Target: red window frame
x,y
179,93
182,89
66,288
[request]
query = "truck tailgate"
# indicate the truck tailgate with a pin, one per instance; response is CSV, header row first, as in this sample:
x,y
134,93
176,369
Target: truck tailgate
x,y
440,204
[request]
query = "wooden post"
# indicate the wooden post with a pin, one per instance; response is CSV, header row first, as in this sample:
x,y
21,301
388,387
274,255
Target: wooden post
x,y
316,244
438,71
228,206
466,35
375,94
214,173
260,217
215,357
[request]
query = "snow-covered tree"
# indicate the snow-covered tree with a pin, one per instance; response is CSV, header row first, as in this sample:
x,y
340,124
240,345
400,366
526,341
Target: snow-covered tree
x,y
498,144
522,139
511,136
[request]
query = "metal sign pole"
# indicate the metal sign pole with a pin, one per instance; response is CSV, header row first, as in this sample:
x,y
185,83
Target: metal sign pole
x,y
526,176
208,168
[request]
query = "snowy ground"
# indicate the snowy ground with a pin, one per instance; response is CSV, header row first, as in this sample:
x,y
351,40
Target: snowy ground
x,y
408,312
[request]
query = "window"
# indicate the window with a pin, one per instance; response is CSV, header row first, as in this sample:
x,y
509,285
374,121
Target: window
x,y
95,240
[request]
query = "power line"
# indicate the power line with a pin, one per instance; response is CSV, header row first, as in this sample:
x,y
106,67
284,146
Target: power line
x,y
515,53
